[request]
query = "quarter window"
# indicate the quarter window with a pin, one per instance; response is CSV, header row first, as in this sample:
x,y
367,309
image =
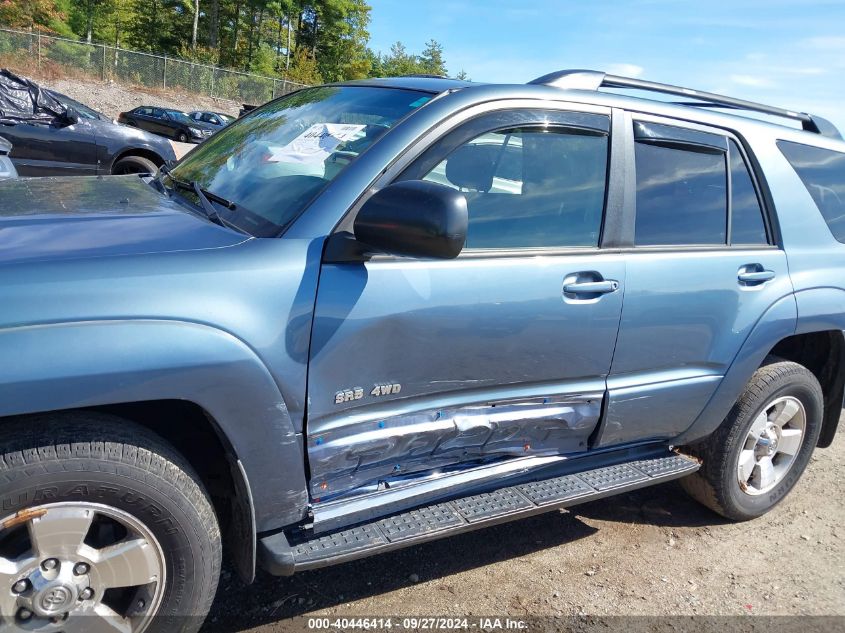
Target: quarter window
x,y
823,173
530,187
681,195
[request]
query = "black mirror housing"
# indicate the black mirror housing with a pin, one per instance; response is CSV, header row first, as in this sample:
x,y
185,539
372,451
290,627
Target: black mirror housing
x,y
414,218
71,116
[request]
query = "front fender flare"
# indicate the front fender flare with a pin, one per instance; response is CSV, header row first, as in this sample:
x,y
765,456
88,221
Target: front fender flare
x,y
60,366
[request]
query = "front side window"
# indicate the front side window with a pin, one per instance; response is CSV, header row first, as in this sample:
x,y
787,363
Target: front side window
x,y
270,164
823,173
681,196
530,186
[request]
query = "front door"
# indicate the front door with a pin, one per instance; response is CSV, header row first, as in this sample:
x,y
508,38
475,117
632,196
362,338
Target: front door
x,y
501,353
702,271
52,150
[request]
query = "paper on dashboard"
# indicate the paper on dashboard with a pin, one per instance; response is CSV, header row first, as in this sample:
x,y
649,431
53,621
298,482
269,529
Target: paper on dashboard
x,y
315,144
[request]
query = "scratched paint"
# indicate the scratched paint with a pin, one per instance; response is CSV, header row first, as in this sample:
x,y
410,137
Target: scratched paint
x,y
366,452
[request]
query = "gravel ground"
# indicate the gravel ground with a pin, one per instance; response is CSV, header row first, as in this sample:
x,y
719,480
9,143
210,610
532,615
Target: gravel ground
x,y
112,99
652,552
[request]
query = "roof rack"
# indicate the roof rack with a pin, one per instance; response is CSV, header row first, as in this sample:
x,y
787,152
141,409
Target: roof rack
x,y
593,80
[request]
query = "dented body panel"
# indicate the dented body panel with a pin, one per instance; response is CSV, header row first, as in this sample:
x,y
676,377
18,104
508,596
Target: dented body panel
x,y
340,386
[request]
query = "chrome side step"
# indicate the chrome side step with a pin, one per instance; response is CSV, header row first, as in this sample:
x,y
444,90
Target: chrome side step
x,y
282,554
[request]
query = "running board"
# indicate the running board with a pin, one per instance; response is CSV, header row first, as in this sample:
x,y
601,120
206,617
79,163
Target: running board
x,y
282,554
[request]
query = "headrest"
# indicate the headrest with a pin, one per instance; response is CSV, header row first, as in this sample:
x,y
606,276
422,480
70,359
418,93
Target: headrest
x,y
472,166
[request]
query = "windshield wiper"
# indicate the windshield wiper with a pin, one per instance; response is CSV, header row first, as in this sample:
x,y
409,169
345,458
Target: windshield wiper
x,y
209,209
203,195
158,180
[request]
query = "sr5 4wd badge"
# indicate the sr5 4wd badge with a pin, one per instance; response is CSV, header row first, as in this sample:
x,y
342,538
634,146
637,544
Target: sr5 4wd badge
x,y
356,393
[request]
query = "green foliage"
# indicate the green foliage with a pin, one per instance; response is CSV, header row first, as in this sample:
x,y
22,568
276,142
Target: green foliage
x,y
308,41
431,60
399,61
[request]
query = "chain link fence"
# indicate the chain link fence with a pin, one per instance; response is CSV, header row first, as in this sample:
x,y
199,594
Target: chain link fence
x,y
144,69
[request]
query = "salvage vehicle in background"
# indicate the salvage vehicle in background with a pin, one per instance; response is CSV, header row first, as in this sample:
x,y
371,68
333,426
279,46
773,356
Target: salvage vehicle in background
x,y
7,169
166,122
54,135
216,119
530,296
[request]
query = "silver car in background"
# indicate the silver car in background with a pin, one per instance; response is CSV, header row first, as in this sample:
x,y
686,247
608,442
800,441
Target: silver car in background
x,y
7,169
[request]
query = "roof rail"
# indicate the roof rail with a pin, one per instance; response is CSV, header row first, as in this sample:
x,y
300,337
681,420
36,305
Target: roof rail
x,y
593,80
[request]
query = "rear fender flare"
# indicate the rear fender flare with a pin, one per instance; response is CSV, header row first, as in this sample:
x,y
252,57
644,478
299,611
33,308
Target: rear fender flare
x,y
777,323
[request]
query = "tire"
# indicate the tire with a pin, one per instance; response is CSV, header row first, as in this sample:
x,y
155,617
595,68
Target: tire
x,y
182,137
776,390
111,481
134,165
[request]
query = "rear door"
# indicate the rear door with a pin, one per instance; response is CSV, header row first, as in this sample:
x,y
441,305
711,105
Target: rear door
x,y
501,353
52,150
702,270
162,123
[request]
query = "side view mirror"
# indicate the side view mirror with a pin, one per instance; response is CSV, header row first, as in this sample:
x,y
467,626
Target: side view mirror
x,y
414,218
71,116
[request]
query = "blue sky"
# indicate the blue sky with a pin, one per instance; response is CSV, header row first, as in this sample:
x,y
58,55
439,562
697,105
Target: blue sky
x,y
784,53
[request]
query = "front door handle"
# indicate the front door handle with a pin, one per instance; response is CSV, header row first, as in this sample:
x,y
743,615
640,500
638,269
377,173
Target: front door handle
x,y
591,287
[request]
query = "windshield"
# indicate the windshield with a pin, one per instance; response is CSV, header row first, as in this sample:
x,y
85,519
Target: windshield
x,y
83,110
181,117
273,162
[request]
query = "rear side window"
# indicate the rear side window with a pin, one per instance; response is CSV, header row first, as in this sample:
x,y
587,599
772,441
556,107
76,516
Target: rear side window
x,y
747,225
823,173
681,196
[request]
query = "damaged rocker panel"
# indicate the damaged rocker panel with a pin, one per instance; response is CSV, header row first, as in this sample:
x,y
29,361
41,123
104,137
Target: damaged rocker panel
x,y
361,452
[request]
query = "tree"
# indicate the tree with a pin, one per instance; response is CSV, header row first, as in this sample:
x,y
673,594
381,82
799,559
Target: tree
x,y
83,13
463,76
399,62
308,41
196,25
31,14
341,48
431,61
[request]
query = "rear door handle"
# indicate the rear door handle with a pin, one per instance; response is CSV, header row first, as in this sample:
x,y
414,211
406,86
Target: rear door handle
x,y
591,287
755,276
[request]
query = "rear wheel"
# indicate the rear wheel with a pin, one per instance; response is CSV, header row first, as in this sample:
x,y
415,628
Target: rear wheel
x,y
134,165
104,527
761,449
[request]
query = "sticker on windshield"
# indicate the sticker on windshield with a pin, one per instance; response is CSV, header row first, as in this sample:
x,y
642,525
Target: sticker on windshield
x,y
315,144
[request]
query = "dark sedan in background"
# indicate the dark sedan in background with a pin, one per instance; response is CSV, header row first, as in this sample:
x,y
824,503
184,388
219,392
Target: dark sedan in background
x,y
53,135
170,123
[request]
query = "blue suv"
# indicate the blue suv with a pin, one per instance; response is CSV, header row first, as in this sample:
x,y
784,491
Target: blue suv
x,y
375,313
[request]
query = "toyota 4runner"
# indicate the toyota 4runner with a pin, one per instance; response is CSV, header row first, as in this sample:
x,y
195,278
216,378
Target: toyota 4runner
x,y
375,313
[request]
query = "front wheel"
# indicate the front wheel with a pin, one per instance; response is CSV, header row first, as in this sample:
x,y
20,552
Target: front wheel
x,y
104,527
761,449
134,165
182,137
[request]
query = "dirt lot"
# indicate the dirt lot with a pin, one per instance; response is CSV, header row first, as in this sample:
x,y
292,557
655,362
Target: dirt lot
x,y
651,552
112,99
